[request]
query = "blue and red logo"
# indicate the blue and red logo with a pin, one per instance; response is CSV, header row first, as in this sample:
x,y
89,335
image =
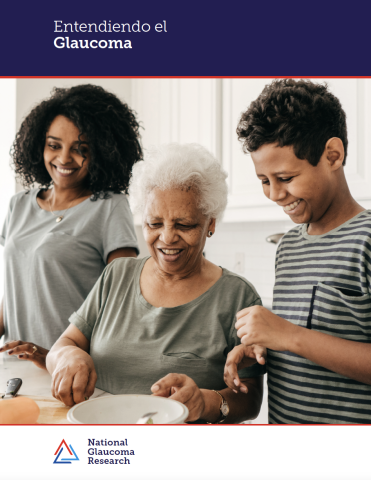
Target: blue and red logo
x,y
69,453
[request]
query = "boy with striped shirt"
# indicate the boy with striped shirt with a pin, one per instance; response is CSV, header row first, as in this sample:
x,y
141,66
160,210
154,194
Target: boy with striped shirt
x,y
319,333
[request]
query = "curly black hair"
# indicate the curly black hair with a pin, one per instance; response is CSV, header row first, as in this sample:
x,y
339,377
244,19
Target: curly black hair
x,y
301,114
109,125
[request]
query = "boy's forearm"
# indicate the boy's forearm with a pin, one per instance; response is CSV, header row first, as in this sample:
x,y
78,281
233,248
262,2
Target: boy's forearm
x,y
245,406
258,326
242,406
346,357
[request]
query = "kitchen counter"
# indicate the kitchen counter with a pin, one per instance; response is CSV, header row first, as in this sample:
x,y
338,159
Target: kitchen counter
x,y
36,384
35,381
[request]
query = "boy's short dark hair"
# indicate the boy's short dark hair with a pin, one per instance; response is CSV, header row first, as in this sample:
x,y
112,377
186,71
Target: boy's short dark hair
x,y
301,114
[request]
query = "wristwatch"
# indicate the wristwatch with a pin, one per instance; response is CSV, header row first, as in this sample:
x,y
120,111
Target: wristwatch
x,y
224,408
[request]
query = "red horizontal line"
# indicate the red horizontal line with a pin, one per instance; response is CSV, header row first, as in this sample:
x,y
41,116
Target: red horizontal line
x,y
148,76
186,425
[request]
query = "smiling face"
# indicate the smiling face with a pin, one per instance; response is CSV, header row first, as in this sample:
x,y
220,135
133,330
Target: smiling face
x,y
66,166
305,192
175,230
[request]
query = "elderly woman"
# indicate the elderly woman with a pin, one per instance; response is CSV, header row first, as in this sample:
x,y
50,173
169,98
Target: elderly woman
x,y
166,322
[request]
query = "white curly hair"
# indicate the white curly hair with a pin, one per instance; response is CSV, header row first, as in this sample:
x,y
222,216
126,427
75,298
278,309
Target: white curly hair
x,y
177,166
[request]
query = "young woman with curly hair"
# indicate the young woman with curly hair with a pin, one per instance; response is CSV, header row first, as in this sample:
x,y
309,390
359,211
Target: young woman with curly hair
x,y
79,146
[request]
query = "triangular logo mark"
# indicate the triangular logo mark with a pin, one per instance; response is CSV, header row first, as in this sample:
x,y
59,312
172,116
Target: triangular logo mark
x,y
68,449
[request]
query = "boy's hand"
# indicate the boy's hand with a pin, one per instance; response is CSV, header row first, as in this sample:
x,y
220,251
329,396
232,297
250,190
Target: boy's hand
x,y
258,326
242,357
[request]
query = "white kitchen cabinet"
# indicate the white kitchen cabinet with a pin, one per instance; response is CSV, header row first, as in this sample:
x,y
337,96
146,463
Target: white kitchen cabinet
x,y
179,110
246,199
207,111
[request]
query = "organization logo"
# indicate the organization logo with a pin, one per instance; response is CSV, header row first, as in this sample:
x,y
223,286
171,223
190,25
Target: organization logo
x,y
67,451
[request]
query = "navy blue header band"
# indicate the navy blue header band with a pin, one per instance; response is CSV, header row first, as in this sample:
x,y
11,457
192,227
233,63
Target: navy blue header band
x,y
193,38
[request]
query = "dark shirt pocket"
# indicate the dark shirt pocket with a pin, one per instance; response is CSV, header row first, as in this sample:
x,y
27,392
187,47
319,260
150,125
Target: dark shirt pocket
x,y
341,311
183,358
205,373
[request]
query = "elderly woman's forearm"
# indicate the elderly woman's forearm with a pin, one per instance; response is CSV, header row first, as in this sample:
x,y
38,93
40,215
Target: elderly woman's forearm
x,y
72,370
73,339
61,347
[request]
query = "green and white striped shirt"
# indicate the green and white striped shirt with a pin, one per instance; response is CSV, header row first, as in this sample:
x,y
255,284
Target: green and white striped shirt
x,y
323,282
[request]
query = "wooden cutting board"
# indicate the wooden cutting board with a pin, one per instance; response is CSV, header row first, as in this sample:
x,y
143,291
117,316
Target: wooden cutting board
x,y
52,411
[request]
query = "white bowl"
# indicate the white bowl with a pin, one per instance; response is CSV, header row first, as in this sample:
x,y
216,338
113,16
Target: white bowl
x,y
127,409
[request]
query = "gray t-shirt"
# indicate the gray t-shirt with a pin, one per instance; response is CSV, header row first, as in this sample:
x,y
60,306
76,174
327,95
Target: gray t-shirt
x,y
51,267
133,344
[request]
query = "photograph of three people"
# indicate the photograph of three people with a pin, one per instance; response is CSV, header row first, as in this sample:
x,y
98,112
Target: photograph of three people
x,y
134,220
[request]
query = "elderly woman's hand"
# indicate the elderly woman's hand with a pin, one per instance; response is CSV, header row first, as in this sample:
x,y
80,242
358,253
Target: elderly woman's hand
x,y
242,357
183,389
26,351
74,377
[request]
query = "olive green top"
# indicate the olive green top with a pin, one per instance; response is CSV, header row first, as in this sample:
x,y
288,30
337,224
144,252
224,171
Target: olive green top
x,y
133,344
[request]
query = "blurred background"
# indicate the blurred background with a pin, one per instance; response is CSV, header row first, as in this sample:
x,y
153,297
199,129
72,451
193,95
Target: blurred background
x,y
205,111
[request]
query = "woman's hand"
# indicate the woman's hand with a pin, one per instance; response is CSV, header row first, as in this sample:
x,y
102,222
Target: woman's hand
x,y
259,326
242,357
26,351
74,376
183,389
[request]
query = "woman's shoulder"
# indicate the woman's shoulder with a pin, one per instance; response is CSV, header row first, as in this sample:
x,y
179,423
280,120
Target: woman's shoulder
x,y
110,202
238,286
123,267
126,262
121,275
23,197
110,198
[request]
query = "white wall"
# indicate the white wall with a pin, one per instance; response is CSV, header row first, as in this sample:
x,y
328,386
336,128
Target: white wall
x,y
242,248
